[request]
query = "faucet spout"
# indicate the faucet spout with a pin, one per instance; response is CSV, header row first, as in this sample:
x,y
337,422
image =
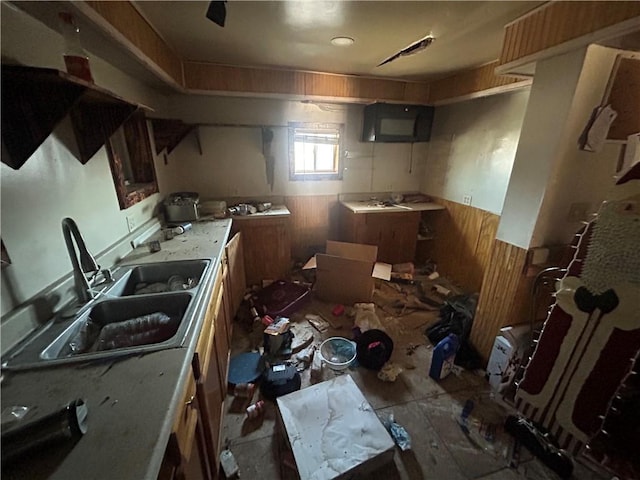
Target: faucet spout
x,y
83,262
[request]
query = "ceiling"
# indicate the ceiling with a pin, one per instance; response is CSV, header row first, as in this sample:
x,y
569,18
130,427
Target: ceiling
x,y
297,34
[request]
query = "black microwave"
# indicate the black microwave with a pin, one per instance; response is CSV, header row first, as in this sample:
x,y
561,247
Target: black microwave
x,y
387,122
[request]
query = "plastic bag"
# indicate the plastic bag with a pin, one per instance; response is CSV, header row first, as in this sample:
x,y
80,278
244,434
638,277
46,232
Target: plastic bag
x,y
398,433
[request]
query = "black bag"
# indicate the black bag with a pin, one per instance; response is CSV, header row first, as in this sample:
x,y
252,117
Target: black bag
x,y
374,348
279,380
456,316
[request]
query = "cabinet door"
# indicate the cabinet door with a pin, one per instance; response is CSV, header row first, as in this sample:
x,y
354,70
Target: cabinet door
x,y
395,234
267,248
237,276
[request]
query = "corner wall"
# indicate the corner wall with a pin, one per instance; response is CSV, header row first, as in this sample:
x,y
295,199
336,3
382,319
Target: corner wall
x,y
52,184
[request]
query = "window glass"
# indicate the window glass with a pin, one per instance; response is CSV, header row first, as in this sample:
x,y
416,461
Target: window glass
x,y
314,151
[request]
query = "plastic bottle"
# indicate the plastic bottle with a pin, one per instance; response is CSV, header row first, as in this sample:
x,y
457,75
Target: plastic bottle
x,y
75,57
255,410
444,354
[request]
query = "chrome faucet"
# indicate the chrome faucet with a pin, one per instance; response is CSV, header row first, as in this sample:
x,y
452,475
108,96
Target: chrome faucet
x,y
82,263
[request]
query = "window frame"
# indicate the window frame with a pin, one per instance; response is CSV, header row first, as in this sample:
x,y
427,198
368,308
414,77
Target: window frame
x,y
311,176
129,152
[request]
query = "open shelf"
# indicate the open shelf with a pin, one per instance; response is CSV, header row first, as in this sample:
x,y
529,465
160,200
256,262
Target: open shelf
x,y
35,100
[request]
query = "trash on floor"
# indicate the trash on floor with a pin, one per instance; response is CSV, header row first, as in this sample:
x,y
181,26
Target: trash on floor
x,y
279,380
444,354
398,433
281,298
365,317
317,321
389,372
374,348
229,464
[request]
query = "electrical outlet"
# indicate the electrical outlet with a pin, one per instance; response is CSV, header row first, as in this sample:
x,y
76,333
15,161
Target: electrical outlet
x,y
466,199
131,223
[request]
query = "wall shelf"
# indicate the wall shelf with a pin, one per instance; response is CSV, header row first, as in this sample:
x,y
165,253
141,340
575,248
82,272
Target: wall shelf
x,y
168,133
35,100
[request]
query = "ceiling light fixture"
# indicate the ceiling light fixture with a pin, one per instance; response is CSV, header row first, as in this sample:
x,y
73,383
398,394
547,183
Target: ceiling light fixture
x,y
342,41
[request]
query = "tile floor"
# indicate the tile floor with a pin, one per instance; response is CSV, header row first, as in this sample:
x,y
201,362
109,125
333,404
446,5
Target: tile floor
x,y
427,409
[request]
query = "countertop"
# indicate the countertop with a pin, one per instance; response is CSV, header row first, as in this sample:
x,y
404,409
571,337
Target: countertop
x,y
275,211
132,402
367,207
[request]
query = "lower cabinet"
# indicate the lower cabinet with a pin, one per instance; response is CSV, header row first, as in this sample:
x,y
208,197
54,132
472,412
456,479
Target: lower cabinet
x,y
267,247
395,234
193,450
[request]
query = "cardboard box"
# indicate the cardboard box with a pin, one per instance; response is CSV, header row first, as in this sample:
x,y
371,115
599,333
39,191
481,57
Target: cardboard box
x,y
333,431
346,272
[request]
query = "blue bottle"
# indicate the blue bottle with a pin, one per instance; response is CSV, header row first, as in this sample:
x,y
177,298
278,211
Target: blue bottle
x,y
444,354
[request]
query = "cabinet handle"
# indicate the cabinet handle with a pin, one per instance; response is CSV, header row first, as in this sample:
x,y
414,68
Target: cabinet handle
x,y
190,401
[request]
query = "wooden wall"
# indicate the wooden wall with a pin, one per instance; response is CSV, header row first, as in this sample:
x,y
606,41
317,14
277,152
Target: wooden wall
x,y
504,298
211,77
123,18
462,245
473,81
314,220
558,22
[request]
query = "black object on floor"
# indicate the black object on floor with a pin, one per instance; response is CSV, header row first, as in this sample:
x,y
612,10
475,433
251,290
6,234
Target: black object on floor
x,y
280,380
541,444
281,298
373,348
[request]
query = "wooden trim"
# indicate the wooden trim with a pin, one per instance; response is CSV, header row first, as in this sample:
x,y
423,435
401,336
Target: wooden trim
x,y
504,297
462,243
123,22
481,80
559,22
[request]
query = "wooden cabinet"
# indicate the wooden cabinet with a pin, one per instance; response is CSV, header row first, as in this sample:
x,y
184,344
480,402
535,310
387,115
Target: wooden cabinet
x,y
35,100
194,447
267,247
237,280
395,234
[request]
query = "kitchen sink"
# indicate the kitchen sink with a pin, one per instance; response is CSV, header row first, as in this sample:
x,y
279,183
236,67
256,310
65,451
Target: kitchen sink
x,y
81,337
156,278
95,333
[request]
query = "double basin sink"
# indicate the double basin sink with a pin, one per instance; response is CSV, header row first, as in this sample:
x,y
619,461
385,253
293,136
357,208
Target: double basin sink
x,y
167,294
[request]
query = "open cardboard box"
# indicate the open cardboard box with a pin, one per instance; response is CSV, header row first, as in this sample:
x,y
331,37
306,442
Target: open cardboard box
x,y
346,272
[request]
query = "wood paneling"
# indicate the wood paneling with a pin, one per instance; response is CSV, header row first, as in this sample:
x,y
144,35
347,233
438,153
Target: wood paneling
x,y
314,220
327,85
624,98
504,297
463,242
208,76
266,243
417,93
125,19
559,22
471,82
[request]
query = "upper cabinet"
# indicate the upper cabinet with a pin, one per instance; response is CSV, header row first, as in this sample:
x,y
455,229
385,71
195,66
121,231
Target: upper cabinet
x,y
35,100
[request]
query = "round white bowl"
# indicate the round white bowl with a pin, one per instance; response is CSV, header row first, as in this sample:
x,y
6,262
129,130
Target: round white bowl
x,y
338,352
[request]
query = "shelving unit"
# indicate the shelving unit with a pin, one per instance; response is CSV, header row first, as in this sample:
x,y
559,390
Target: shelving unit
x,y
35,100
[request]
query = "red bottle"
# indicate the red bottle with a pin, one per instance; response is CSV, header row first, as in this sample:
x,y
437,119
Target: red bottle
x,y
75,57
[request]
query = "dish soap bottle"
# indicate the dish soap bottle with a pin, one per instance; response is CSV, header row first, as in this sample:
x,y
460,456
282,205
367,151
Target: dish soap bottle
x,y
75,57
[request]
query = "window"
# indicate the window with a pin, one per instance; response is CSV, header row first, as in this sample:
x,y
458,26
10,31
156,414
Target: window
x,y
131,162
314,151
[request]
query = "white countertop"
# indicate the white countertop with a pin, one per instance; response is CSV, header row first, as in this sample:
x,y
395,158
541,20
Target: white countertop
x,y
132,402
275,211
366,206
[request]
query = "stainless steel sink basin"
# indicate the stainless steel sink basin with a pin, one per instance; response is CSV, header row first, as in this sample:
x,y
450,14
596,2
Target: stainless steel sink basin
x,y
81,337
141,279
66,340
